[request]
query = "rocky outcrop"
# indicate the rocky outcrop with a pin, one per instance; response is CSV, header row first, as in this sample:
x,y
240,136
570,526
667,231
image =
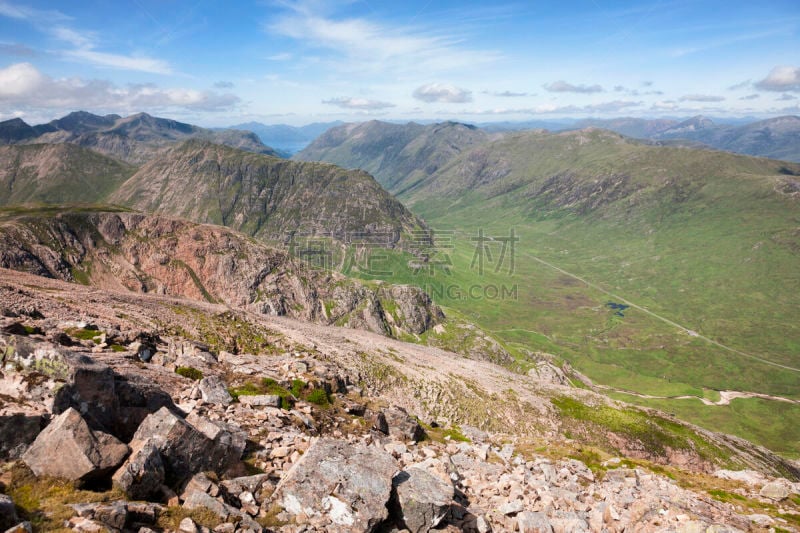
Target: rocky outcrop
x,y
127,251
268,198
69,449
345,487
424,500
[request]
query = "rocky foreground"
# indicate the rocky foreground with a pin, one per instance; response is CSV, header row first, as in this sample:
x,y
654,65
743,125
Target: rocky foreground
x,y
126,412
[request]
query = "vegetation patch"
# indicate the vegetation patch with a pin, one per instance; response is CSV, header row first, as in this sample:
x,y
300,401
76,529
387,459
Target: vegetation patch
x,y
189,372
266,386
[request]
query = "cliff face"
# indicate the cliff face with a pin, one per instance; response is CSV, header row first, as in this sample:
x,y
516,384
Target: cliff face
x,y
265,197
155,254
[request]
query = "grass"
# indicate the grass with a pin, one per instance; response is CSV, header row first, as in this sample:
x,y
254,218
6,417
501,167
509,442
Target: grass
x,y
264,386
189,372
85,334
655,433
45,501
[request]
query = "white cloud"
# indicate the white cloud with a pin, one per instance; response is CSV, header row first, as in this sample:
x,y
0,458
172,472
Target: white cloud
x,y
508,94
7,9
442,92
750,97
224,84
361,45
781,79
701,98
552,109
562,86
357,103
23,85
283,56
786,96
117,61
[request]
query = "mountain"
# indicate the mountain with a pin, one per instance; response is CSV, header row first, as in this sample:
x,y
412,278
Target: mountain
x,y
57,173
632,127
398,155
123,251
263,196
15,130
777,138
289,139
704,243
134,139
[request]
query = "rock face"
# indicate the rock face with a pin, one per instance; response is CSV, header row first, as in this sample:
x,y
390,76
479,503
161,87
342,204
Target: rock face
x,y
126,251
185,448
143,473
8,513
424,499
274,199
69,449
347,484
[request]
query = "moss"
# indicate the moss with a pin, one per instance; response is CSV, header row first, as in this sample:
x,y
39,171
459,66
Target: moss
x,y
189,372
117,348
85,334
45,501
318,397
297,387
265,386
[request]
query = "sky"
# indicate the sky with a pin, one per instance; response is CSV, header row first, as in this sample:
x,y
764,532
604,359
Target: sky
x,y
216,63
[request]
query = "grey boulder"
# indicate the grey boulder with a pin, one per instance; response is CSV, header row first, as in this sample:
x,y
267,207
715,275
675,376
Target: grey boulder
x,y
423,498
69,449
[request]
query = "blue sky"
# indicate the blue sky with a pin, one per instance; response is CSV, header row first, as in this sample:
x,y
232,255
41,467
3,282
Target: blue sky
x,y
220,63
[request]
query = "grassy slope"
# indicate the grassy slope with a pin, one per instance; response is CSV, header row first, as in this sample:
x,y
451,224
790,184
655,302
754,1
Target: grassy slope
x,y
715,250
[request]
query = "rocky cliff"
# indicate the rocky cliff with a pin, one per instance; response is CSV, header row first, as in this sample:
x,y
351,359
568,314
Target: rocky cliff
x,y
266,197
156,254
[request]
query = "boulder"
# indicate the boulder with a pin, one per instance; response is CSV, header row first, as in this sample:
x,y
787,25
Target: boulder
x,y
190,446
142,475
424,499
213,390
8,513
68,448
261,400
401,425
18,429
530,522
348,485
777,490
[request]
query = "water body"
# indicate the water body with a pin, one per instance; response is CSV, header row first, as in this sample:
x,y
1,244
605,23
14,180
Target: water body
x,y
618,308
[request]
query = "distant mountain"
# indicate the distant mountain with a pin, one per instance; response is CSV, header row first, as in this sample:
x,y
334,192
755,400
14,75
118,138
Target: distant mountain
x,y
632,127
16,130
264,196
285,138
57,173
134,139
398,155
777,138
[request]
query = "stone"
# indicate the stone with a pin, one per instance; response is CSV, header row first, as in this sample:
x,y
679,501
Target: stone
x,y
186,448
18,429
142,475
349,484
777,490
530,522
261,400
8,513
280,452
423,498
402,425
200,500
86,525
69,449
187,525
22,527
482,524
114,514
213,390
512,507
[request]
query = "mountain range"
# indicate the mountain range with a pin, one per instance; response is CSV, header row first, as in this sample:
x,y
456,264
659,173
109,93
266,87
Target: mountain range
x,y
284,138
133,139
